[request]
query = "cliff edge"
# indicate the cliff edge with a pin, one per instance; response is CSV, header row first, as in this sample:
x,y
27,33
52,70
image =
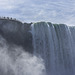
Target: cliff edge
x,y
16,32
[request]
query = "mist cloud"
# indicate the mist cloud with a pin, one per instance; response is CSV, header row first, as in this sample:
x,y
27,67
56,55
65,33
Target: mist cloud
x,y
15,61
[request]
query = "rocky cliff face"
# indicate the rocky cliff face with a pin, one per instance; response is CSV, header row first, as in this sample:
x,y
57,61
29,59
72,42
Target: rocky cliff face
x,y
16,32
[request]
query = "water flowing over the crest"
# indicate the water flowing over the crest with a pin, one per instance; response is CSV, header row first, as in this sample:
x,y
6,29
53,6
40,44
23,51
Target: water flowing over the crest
x,y
56,45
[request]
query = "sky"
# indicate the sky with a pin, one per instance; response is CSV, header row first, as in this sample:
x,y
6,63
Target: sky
x,y
55,11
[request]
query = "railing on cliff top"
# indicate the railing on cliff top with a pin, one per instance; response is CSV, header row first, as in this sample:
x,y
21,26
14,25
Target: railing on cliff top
x,y
12,19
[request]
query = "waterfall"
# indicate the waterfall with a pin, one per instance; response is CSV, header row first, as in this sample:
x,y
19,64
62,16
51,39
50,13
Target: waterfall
x,y
40,48
55,43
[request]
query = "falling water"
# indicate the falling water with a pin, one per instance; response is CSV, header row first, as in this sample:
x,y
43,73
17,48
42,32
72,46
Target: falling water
x,y
56,45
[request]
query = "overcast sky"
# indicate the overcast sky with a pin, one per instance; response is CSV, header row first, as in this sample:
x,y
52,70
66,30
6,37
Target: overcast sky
x,y
55,11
